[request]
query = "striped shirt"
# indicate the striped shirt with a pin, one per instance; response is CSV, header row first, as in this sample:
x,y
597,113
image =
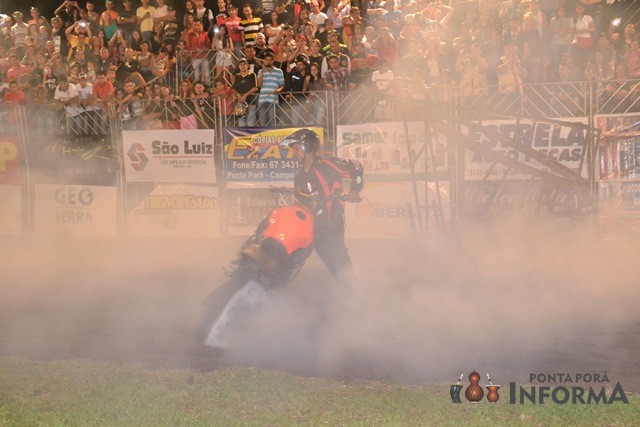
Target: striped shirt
x,y
250,28
271,80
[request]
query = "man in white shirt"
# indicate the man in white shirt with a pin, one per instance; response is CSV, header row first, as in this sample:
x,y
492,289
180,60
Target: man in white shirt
x,y
382,80
66,96
160,14
316,17
89,118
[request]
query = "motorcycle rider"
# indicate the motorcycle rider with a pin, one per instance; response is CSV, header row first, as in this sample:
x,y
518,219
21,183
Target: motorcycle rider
x,y
316,180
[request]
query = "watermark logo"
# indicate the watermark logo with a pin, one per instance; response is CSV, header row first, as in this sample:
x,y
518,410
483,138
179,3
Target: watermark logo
x,y
474,391
546,388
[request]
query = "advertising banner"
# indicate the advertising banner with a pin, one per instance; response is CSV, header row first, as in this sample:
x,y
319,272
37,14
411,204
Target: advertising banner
x,y
382,148
169,156
10,161
524,198
76,209
619,147
177,210
10,209
247,206
254,155
388,210
563,143
93,161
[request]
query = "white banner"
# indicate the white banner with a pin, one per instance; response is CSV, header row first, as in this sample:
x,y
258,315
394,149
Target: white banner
x,y
177,210
562,143
382,147
388,210
86,210
10,209
169,156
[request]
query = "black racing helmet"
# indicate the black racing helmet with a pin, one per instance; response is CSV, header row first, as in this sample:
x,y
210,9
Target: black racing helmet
x,y
308,139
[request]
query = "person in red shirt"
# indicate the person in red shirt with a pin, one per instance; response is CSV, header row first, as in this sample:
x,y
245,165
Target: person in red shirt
x,y
103,90
198,44
222,95
16,70
14,95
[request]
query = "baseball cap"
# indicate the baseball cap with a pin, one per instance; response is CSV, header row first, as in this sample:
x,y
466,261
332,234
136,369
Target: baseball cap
x,y
82,76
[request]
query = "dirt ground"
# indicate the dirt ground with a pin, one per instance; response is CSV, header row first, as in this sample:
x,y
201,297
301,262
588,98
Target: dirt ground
x,y
504,299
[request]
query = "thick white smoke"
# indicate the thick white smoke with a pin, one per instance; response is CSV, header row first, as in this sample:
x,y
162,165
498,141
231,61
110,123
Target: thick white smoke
x,y
509,297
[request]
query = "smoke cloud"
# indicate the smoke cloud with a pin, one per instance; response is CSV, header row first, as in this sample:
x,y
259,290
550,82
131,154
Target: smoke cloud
x,y
508,298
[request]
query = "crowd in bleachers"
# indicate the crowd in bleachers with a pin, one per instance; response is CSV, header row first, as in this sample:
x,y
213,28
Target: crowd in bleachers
x,y
244,56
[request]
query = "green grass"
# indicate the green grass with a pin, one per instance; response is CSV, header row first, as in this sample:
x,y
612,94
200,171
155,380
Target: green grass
x,y
86,393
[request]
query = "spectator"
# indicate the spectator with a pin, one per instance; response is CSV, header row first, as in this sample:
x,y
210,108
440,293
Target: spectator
x,y
161,14
301,22
317,18
157,37
19,32
382,80
245,84
129,68
631,59
184,106
301,48
337,10
336,77
564,99
313,87
16,69
233,29
343,59
37,19
222,95
273,28
250,26
472,68
198,44
92,13
386,46
14,95
205,16
511,72
144,15
250,57
88,119
172,28
561,29
295,81
271,83
68,12
260,46
127,21
161,66
622,42
107,25
584,29
603,69
538,19
117,47
104,92
529,42
203,106
66,97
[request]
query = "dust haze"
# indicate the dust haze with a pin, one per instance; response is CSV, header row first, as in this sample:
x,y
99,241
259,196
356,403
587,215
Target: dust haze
x,y
508,297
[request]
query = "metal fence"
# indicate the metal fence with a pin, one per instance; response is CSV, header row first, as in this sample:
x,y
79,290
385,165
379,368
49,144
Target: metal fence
x,y
45,128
